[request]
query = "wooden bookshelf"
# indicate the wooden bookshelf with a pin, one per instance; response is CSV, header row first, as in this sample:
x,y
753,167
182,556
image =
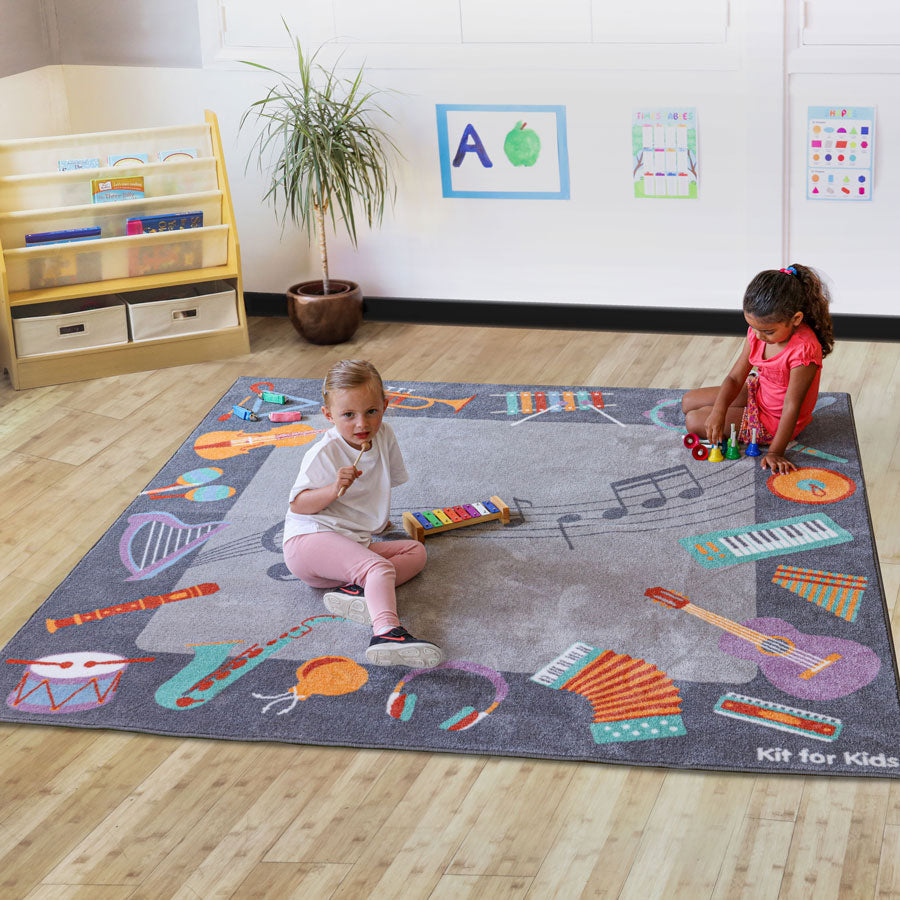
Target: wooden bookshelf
x,y
27,171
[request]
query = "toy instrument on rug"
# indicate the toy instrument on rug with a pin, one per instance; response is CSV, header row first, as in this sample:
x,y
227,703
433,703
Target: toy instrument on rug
x,y
425,524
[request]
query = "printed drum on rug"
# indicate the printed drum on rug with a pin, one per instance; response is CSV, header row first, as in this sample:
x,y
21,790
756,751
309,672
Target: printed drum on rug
x,y
601,593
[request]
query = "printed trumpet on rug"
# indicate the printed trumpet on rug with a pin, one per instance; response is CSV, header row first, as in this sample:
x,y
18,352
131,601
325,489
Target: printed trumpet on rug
x,y
640,606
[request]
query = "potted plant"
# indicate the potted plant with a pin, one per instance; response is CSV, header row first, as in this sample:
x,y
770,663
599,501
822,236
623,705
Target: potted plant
x,y
331,159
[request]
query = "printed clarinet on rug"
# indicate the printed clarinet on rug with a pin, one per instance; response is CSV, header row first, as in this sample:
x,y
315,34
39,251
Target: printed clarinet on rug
x,y
601,593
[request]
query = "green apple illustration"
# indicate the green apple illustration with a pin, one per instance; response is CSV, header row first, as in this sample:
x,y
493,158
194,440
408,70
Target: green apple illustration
x,y
522,145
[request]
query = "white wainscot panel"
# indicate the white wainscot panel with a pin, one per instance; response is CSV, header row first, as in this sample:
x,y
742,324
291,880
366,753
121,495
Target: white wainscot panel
x,y
526,21
242,25
660,21
837,22
397,21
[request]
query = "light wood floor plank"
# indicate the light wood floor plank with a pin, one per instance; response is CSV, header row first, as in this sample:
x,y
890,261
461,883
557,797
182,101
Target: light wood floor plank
x,y
776,798
83,810
40,767
408,855
889,865
520,817
233,795
604,812
251,836
480,887
292,881
823,833
336,823
74,804
755,859
21,598
128,844
859,872
695,816
79,892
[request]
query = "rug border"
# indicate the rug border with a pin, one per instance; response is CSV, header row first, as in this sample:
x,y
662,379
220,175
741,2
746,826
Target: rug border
x,y
864,772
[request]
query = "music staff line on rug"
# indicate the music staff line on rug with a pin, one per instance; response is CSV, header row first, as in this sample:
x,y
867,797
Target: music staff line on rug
x,y
541,521
532,525
658,483
661,482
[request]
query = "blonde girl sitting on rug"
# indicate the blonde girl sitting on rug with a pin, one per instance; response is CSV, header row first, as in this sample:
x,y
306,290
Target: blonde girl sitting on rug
x,y
790,332
335,508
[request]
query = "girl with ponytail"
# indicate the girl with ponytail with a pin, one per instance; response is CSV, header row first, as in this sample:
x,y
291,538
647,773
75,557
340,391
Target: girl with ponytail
x,y
790,331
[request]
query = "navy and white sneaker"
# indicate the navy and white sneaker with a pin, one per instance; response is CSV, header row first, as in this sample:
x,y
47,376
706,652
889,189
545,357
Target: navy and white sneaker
x,y
349,602
398,647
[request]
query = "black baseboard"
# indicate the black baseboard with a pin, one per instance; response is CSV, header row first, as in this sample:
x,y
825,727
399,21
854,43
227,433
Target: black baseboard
x,y
571,315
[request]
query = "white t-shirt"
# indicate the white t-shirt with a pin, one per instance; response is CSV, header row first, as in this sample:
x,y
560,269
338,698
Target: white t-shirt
x,y
365,507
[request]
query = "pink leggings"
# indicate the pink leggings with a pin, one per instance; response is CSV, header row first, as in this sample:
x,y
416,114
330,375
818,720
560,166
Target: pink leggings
x,y
325,559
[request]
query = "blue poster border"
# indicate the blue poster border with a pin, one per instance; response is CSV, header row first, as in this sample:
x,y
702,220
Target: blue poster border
x,y
442,109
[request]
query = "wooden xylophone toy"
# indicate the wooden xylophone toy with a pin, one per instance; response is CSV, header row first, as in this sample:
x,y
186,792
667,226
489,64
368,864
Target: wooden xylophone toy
x,y
420,525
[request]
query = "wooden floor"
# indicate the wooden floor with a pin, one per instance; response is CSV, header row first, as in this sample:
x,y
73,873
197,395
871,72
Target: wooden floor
x,y
113,815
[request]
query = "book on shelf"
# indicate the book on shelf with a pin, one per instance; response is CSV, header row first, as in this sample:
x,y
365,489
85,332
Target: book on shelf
x,y
178,154
127,159
108,190
66,236
66,268
166,222
160,258
68,165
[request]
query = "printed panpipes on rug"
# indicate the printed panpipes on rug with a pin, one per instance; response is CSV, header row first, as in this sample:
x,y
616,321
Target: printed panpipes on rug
x,y
600,593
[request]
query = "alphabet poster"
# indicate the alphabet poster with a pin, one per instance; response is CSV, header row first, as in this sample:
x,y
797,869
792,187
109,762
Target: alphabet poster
x,y
503,152
664,153
840,152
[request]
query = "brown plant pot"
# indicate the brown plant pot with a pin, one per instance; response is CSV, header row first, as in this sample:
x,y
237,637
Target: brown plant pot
x,y
330,318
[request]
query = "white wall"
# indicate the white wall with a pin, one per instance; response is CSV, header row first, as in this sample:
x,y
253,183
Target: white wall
x,y
751,89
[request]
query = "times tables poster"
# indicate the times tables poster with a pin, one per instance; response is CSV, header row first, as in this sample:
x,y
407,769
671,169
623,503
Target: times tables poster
x,y
664,153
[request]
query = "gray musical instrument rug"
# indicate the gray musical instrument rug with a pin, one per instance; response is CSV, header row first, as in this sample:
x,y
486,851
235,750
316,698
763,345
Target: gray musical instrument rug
x,y
600,592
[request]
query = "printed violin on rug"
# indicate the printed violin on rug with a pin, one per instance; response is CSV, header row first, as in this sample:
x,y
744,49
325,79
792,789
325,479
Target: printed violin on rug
x,y
601,593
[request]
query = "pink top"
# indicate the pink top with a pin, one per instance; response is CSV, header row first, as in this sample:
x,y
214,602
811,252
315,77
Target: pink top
x,y
802,348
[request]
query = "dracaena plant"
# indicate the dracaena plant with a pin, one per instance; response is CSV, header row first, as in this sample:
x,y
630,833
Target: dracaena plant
x,y
330,158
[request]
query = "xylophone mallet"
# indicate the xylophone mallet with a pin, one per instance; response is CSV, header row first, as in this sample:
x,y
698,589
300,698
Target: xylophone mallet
x,y
366,446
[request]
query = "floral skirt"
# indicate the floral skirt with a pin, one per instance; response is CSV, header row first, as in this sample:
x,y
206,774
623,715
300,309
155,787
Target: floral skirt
x,y
750,419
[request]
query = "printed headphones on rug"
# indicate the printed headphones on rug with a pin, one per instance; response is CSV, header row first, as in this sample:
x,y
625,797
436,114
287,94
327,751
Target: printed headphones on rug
x,y
400,706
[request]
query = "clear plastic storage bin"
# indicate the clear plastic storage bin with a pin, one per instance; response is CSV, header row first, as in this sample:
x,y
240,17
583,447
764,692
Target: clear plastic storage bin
x,y
183,309
50,190
35,268
62,325
111,218
24,157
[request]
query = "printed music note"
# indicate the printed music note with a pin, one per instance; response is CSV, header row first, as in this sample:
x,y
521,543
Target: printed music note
x,y
562,521
519,518
659,482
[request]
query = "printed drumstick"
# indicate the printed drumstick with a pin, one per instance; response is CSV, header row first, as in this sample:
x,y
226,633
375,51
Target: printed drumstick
x,y
67,664
365,446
